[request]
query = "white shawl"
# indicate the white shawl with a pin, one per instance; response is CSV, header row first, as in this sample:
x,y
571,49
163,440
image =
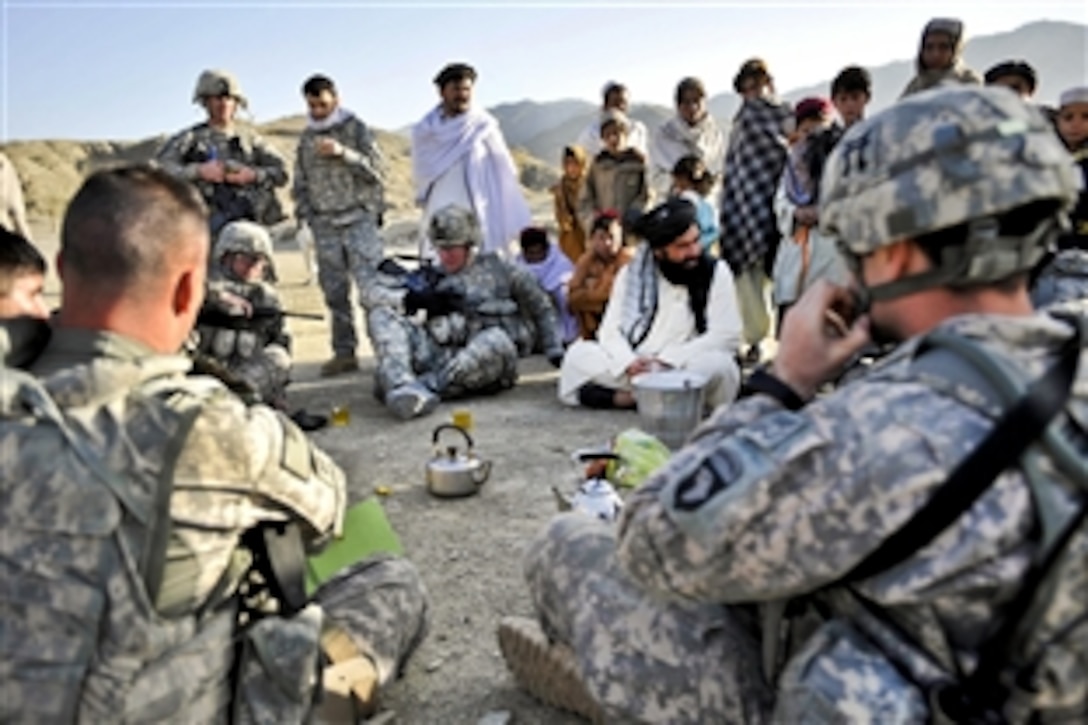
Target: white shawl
x,y
439,143
675,139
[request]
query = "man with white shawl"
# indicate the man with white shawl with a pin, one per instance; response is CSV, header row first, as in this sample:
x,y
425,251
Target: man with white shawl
x,y
459,157
672,306
691,132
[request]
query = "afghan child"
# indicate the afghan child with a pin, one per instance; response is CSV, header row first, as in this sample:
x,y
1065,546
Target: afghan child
x,y
940,57
1063,276
552,271
692,181
22,277
804,255
851,91
591,285
567,195
617,176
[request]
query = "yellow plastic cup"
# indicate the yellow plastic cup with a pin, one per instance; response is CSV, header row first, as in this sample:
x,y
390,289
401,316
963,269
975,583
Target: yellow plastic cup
x,y
340,416
462,418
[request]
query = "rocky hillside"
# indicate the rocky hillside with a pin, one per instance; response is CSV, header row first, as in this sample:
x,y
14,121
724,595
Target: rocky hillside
x,y
51,171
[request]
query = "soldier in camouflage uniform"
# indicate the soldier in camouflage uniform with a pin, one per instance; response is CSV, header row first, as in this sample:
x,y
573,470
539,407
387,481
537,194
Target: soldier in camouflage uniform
x,y
234,168
481,314
942,204
339,192
259,353
134,250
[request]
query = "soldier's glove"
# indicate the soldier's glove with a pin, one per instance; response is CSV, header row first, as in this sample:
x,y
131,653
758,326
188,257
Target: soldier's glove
x,y
555,357
435,302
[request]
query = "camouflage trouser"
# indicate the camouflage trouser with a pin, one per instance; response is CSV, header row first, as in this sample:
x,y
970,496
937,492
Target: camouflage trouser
x,y
267,371
379,602
643,659
406,352
345,254
1065,279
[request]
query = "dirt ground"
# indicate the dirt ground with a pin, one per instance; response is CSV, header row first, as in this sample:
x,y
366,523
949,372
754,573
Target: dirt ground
x,y
469,551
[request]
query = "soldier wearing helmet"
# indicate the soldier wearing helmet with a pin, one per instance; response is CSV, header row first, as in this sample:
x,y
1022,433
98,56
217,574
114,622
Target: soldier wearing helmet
x,y
741,583
234,168
241,325
456,328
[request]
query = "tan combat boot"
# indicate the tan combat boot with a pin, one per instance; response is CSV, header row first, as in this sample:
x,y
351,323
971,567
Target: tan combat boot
x,y
339,364
545,670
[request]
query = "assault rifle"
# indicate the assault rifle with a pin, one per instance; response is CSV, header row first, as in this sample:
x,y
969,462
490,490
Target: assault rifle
x,y
260,316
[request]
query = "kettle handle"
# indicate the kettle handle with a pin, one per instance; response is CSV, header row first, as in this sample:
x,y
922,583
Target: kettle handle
x,y
481,474
450,426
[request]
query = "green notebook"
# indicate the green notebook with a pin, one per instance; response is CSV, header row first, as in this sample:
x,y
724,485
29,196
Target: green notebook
x,y
366,531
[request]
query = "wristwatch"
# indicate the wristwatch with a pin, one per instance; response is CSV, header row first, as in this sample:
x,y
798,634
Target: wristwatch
x,y
762,381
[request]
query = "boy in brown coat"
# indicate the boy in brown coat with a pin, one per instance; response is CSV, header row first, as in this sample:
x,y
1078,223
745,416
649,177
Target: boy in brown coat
x,y
591,284
617,176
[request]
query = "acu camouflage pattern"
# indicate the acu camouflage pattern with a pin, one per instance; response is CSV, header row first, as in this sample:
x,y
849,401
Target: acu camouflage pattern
x,y
341,199
260,357
337,191
1064,279
238,466
766,505
454,226
506,315
938,159
214,83
182,155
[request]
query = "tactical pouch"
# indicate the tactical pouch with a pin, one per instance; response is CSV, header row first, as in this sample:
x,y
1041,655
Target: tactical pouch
x,y
840,677
279,669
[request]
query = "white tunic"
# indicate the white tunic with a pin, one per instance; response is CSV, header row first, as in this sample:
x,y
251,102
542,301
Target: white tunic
x,y
672,339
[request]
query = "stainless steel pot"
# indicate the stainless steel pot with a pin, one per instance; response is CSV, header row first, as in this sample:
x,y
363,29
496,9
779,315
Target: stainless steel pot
x,y
670,403
452,474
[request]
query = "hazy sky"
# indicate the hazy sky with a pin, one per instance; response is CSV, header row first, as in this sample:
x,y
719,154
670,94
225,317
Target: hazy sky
x,y
126,69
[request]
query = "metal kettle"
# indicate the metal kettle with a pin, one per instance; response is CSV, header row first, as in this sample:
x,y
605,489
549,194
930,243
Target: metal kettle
x,y
452,474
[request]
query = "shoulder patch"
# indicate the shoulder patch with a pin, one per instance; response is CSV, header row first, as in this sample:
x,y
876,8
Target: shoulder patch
x,y
296,458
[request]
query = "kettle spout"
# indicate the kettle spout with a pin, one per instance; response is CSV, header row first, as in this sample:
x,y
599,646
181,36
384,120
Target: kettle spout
x,y
563,502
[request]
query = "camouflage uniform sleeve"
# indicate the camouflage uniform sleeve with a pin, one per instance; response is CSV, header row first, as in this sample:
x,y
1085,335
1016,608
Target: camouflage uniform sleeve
x,y
269,164
300,191
534,301
170,158
245,464
275,332
765,503
366,158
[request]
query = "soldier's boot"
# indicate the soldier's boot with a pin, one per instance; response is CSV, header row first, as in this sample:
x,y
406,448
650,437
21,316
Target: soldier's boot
x,y
350,680
411,400
544,669
338,365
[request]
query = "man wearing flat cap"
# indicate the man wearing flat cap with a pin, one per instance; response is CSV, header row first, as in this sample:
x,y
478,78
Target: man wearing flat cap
x,y
234,169
459,156
672,306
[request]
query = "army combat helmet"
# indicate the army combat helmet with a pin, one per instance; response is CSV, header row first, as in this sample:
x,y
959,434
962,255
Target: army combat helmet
x,y
246,237
951,156
454,226
214,83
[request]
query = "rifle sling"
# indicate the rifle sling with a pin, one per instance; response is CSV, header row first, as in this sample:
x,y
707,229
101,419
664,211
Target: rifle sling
x,y
1014,432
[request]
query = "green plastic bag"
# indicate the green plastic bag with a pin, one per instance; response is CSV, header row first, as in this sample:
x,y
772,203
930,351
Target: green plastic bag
x,y
366,531
640,454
